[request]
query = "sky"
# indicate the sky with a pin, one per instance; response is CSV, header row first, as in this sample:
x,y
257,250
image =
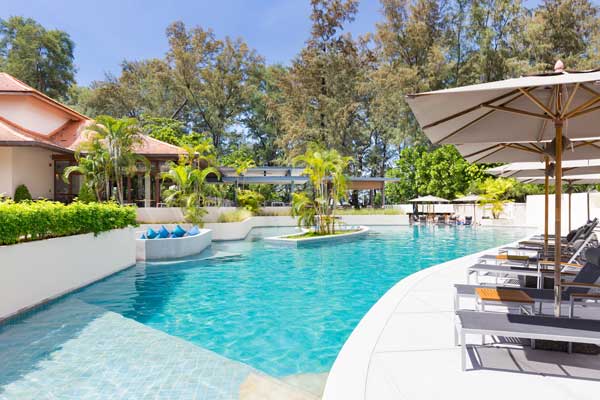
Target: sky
x,y
106,32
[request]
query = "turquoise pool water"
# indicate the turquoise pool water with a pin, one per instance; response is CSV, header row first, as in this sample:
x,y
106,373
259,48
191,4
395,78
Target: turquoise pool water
x,y
282,310
160,330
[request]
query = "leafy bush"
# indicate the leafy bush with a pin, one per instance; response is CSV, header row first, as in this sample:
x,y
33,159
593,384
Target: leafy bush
x,y
86,194
234,216
44,219
250,200
22,194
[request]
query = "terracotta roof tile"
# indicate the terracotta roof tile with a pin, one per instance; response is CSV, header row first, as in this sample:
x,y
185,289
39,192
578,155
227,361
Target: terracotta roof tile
x,y
9,83
13,135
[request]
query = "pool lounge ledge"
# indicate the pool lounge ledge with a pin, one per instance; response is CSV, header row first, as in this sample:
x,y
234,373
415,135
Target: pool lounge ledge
x,y
403,348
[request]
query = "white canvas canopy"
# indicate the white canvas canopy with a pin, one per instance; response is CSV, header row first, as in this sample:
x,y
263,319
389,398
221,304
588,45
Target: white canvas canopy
x,y
429,199
484,113
545,111
538,170
526,152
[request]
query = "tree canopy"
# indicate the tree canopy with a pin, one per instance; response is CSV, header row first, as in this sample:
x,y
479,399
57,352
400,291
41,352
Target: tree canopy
x,y
342,92
41,58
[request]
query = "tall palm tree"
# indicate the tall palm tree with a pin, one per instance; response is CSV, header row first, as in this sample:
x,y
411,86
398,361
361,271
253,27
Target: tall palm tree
x,y
119,136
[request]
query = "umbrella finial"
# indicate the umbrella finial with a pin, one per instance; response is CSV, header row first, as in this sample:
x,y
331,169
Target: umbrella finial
x,y
559,66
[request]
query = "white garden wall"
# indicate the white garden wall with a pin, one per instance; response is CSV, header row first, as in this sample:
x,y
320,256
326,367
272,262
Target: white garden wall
x,y
34,272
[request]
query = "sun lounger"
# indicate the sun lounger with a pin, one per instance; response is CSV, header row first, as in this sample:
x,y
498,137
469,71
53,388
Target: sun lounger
x,y
585,279
524,326
504,270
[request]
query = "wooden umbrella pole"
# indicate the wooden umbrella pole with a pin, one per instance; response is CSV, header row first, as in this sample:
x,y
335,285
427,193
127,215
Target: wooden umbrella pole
x,y
558,124
570,190
546,205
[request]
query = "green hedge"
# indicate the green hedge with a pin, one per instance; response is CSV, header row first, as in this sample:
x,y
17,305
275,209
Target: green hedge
x,y
37,220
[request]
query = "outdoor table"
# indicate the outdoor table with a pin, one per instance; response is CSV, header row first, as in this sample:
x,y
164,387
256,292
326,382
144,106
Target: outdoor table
x,y
506,297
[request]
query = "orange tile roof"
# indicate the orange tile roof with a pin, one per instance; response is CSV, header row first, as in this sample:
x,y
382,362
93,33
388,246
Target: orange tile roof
x,y
69,137
9,83
13,135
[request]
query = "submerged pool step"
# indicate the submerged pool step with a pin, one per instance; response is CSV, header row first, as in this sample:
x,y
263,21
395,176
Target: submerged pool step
x,y
263,387
74,350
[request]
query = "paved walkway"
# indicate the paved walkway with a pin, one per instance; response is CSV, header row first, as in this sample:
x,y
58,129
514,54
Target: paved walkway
x,y
404,349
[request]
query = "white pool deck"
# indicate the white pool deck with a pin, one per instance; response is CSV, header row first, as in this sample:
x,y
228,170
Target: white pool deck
x,y
404,349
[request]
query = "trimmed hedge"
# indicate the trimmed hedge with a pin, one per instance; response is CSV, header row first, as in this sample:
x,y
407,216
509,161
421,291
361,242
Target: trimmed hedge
x,y
22,194
36,220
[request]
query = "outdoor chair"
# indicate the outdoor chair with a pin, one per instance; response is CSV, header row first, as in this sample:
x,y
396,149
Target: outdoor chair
x,y
523,326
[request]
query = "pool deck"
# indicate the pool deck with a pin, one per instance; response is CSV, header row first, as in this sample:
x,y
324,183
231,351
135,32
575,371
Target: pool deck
x,y
404,349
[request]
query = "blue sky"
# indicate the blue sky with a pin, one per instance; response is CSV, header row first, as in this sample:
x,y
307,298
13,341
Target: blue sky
x,y
108,31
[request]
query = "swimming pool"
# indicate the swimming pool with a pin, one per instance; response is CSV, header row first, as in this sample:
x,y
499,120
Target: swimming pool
x,y
283,311
279,310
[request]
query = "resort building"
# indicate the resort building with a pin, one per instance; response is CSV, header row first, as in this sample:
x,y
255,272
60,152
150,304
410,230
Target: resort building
x,y
39,137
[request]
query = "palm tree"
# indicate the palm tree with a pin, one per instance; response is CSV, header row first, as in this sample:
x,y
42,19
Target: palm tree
x,y
325,170
187,190
119,136
201,152
95,167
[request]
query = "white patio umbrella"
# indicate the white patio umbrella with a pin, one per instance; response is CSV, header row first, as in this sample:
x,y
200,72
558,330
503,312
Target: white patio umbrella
x,y
428,200
531,170
471,198
552,107
570,180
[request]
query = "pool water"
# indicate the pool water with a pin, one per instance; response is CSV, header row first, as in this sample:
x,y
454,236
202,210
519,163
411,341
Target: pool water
x,y
282,310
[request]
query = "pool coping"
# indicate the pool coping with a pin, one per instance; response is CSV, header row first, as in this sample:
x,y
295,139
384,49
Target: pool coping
x,y
348,376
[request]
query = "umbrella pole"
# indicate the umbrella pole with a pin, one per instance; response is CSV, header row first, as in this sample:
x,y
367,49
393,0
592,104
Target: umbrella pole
x,y
558,124
570,191
546,191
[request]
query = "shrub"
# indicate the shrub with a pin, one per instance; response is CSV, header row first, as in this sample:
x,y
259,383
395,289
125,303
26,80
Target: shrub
x,y
22,194
44,219
86,194
250,200
234,216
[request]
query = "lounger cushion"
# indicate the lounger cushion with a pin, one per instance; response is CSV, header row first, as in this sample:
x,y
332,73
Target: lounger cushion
x,y
151,233
163,232
178,231
194,231
572,234
592,255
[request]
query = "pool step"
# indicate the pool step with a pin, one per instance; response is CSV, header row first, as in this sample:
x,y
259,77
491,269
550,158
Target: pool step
x,y
74,350
312,383
263,387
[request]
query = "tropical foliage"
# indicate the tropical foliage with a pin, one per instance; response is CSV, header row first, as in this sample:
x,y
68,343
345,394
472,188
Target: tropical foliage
x,y
441,172
250,200
38,220
343,92
494,193
109,156
325,170
187,189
